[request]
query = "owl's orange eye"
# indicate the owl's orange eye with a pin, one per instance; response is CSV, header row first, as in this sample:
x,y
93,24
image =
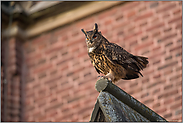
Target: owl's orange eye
x,y
87,39
94,36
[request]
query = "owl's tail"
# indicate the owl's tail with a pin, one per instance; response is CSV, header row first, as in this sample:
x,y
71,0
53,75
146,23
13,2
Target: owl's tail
x,y
141,62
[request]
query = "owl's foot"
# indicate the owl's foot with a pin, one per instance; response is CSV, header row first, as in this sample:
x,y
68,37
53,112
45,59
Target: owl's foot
x,y
105,77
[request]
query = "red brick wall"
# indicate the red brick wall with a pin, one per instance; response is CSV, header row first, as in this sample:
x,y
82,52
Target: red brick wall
x,y
60,83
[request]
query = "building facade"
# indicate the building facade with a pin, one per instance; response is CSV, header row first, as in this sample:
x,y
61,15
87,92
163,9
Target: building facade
x,y
46,73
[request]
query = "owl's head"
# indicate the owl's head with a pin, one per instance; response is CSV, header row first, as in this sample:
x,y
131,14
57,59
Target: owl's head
x,y
93,37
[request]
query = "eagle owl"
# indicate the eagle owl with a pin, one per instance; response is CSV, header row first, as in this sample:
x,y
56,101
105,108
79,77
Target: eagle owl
x,y
112,60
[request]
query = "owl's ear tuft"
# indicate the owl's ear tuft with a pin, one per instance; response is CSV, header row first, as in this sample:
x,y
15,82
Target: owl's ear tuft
x,y
95,28
84,32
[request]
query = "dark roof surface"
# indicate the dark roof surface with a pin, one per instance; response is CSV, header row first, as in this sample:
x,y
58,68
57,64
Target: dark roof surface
x,y
115,105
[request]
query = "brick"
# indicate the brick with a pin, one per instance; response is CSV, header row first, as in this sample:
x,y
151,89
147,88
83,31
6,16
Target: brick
x,y
137,90
144,38
75,98
42,68
168,58
41,61
168,44
120,32
166,15
145,95
76,42
176,77
53,87
53,79
176,48
83,110
161,110
148,101
178,98
168,87
108,13
87,74
155,34
119,17
130,5
166,8
35,56
177,11
142,9
154,4
168,101
64,68
153,85
30,50
64,60
42,75
41,39
167,29
168,94
159,25
107,22
143,24
168,65
149,72
179,18
53,40
156,62
168,115
179,26
147,44
156,48
53,72
82,54
132,35
144,16
52,50
156,105
145,52
133,84
156,91
178,112
131,14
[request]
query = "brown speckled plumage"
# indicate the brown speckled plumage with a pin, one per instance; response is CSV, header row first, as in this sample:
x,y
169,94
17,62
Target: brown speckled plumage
x,y
112,60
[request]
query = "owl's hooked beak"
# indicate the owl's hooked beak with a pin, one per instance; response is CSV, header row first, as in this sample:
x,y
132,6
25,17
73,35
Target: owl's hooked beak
x,y
84,32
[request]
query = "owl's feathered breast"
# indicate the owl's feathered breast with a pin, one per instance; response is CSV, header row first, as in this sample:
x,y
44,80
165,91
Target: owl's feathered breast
x,y
108,56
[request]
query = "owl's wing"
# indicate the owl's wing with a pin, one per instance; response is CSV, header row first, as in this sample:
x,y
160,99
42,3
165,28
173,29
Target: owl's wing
x,y
117,55
98,71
